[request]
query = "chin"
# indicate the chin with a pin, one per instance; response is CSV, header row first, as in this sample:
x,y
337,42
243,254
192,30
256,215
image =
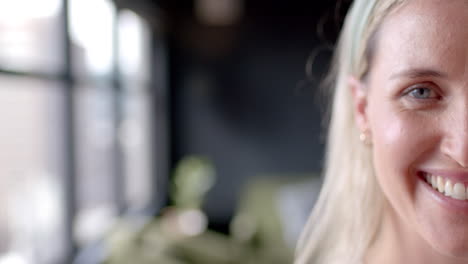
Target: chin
x,y
446,234
454,248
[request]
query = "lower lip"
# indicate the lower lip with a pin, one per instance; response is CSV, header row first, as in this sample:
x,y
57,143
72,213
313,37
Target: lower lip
x,y
449,203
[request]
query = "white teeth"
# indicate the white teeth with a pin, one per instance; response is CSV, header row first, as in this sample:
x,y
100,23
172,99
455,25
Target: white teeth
x,y
434,181
448,188
440,184
455,190
459,191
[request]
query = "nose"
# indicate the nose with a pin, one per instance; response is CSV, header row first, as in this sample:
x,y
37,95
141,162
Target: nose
x,y
455,142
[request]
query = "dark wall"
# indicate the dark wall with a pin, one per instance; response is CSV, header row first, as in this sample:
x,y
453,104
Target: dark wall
x,y
240,96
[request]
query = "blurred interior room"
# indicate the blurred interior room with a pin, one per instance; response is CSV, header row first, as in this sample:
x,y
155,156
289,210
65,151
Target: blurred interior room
x,y
161,131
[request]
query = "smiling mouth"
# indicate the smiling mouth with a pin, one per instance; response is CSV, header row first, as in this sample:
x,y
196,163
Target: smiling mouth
x,y
456,190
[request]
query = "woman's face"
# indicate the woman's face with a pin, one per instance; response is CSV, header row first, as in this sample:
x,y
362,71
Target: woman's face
x,y
415,110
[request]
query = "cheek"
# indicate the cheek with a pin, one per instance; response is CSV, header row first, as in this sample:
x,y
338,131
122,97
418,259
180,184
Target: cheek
x,y
396,137
400,140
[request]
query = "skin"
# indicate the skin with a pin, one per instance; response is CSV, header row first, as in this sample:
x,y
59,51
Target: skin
x,y
413,106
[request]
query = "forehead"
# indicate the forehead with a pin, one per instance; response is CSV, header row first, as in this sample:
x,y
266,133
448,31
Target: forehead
x,y
425,33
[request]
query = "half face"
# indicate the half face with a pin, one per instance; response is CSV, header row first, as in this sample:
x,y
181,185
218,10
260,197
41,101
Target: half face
x,y
415,109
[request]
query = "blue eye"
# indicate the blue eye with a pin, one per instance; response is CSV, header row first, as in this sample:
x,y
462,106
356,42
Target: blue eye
x,y
422,93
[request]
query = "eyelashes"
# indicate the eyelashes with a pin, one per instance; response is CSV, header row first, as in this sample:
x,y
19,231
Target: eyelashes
x,y
422,92
422,96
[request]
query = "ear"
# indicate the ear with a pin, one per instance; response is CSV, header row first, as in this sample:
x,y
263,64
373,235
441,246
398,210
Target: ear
x,y
359,93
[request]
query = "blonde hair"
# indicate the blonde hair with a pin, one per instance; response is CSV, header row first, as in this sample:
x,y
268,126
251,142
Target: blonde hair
x,y
348,212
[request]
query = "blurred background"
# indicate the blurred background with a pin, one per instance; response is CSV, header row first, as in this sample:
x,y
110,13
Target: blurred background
x,y
160,131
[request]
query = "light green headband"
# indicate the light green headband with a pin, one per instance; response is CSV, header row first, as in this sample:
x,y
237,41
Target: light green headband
x,y
364,17
359,16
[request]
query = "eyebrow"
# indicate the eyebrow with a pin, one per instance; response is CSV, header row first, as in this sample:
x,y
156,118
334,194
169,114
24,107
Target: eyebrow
x,y
418,73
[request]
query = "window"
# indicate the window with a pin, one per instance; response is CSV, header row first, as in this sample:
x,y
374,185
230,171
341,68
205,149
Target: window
x,y
30,37
31,210
133,57
76,152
